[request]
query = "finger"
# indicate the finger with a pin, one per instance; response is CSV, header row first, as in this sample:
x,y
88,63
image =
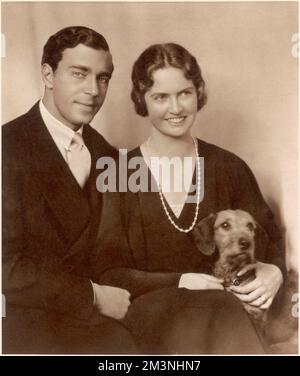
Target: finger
x,y
254,296
240,296
258,302
246,268
246,289
267,304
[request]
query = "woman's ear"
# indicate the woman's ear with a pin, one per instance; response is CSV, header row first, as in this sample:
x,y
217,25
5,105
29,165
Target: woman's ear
x,y
47,75
204,235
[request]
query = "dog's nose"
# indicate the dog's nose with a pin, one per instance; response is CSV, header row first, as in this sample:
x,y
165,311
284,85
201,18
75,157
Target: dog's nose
x,y
244,244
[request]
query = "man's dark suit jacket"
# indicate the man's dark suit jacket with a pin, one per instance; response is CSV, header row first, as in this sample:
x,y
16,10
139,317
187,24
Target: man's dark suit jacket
x,y
49,230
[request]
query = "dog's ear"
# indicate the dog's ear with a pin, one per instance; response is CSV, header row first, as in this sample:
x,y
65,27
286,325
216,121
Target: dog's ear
x,y
204,235
261,241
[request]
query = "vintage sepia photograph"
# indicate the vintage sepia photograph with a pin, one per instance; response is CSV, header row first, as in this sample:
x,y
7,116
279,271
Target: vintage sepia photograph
x,y
150,173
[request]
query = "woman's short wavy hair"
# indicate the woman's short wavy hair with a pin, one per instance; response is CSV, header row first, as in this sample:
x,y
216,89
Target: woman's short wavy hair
x,y
160,56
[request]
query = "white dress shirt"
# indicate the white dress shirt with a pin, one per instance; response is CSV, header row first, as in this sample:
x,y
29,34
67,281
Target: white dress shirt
x,y
61,134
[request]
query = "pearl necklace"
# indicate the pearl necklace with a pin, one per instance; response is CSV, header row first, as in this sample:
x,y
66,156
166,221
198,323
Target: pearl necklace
x,y
162,199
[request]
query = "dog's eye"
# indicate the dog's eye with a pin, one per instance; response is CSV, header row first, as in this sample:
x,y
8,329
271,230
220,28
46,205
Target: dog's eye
x,y
250,226
225,225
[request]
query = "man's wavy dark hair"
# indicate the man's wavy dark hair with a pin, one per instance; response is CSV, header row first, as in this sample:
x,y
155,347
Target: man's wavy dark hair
x,y
70,37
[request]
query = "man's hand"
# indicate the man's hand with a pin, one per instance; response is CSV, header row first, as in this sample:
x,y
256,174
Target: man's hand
x,y
111,301
261,291
200,281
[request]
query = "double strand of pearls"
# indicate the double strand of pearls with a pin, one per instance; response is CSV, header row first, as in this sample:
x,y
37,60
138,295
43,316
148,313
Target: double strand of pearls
x,y
198,177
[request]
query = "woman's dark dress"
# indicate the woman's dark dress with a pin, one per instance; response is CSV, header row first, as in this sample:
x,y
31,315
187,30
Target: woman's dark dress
x,y
164,318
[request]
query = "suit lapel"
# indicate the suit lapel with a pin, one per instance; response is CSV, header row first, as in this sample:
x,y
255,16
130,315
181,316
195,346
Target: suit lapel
x,y
98,148
64,195
94,149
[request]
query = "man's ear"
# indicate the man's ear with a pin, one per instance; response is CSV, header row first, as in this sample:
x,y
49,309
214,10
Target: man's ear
x,y
47,75
204,235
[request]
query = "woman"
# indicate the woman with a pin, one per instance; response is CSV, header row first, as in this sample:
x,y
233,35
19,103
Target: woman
x,y
178,307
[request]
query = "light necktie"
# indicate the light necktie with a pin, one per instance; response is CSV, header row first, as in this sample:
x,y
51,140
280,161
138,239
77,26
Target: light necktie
x,y
79,159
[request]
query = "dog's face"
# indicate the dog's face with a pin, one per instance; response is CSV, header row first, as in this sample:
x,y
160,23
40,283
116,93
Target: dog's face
x,y
234,237
231,233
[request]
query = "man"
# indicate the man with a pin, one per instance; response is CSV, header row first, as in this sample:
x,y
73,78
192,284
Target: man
x,y
52,209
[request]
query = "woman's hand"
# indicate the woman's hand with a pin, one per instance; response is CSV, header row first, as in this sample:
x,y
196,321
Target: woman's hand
x,y
199,281
261,291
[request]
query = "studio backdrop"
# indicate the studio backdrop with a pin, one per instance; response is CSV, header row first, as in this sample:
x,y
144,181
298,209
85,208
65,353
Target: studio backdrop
x,y
247,55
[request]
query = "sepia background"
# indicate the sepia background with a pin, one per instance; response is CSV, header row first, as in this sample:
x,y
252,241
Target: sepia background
x,y
248,61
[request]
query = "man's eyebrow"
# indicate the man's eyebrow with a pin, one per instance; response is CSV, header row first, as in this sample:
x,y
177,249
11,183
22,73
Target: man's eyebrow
x,y
105,74
81,67
86,69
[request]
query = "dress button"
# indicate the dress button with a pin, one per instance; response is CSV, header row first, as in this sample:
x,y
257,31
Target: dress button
x,y
68,268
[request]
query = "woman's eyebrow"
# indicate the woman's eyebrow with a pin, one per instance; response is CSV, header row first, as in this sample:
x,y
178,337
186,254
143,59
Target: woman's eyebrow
x,y
179,92
187,88
158,93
